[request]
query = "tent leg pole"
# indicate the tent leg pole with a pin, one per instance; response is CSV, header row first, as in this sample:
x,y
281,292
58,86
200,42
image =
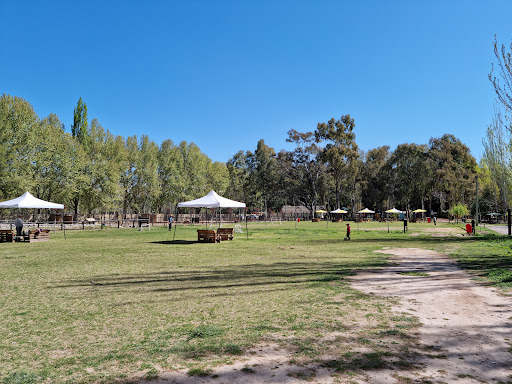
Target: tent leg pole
x,y
175,225
63,225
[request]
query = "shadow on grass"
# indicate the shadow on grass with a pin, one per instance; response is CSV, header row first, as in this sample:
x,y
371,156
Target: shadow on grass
x,y
425,239
247,275
174,242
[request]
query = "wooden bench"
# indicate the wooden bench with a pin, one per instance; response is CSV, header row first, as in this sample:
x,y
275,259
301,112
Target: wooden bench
x,y
6,236
225,234
207,236
36,235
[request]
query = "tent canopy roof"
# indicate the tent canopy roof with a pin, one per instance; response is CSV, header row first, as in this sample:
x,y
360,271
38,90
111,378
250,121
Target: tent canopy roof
x,y
211,200
339,211
394,210
28,201
419,210
366,210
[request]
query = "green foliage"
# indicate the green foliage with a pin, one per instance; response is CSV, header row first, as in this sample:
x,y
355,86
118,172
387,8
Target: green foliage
x,y
341,151
92,171
80,127
459,211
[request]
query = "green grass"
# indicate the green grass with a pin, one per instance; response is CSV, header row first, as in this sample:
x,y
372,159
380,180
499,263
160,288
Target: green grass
x,y
104,305
413,273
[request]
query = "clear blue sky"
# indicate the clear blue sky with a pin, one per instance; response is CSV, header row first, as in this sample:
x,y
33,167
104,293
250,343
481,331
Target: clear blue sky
x,y
224,74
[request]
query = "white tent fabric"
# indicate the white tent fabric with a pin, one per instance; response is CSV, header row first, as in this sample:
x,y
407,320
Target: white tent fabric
x,y
339,211
211,200
394,210
366,210
28,201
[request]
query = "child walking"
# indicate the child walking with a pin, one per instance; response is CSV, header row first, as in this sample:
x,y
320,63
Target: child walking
x,y
348,231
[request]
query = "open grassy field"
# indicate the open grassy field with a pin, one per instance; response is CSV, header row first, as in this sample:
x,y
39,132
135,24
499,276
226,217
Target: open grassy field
x,y
103,306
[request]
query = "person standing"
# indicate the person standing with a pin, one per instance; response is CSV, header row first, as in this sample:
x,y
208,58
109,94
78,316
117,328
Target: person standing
x,y
170,222
435,220
348,231
18,223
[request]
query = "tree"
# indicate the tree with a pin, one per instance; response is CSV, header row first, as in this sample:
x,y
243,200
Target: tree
x,y
341,150
238,174
80,127
265,176
459,211
503,83
171,180
375,181
18,121
454,171
105,158
498,158
51,163
307,169
408,174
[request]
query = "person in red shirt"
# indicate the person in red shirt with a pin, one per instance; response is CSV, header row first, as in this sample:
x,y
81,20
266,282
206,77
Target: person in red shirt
x,y
348,231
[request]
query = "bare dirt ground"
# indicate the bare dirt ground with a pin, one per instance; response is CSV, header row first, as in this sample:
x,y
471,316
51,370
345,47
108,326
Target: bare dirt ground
x,y
465,335
502,229
466,326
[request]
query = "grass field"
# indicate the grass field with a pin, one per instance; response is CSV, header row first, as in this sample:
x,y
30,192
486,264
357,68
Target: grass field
x,y
102,306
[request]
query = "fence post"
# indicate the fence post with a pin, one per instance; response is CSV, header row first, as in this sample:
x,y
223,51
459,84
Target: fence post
x,y
509,222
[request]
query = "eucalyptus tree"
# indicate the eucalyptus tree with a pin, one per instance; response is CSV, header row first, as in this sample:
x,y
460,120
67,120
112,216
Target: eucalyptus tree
x,y
341,151
375,189
308,170
408,174
454,170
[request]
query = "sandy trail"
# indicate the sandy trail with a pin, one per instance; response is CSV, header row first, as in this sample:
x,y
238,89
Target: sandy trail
x,y
465,326
465,335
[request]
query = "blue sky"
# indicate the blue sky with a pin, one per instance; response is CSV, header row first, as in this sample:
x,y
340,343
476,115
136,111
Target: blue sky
x,y
224,74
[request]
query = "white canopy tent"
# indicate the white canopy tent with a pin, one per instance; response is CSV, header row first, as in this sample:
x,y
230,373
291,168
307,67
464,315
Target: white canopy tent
x,y
28,201
212,200
393,210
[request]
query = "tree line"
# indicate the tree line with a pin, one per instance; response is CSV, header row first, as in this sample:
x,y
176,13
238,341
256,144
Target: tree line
x,y
497,158
91,170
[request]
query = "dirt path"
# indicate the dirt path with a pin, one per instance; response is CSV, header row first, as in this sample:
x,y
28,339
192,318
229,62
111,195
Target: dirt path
x,y
499,228
465,337
467,327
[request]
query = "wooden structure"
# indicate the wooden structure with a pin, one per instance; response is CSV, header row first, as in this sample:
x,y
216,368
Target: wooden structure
x,y
207,236
6,236
225,234
37,235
